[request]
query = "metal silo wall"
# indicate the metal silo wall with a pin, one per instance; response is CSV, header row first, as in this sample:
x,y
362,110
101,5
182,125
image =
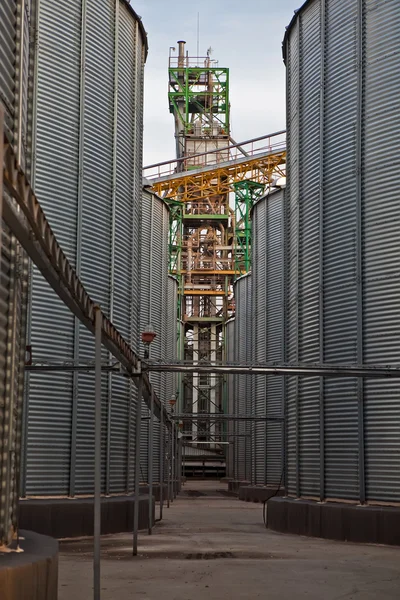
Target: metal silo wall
x,y
171,348
243,383
154,296
268,334
16,57
87,173
342,250
230,385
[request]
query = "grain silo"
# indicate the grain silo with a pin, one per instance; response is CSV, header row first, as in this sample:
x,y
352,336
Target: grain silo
x,y
230,385
243,383
343,279
87,134
268,337
154,311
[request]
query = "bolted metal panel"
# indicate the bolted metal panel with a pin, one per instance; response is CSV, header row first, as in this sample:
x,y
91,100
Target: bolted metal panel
x,y
339,251
171,327
230,357
8,37
154,296
268,334
291,259
381,117
342,249
243,384
88,178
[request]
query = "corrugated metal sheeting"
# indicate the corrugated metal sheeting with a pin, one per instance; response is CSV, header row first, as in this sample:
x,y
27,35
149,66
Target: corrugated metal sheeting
x,y
87,175
15,32
230,357
157,298
243,383
268,335
343,229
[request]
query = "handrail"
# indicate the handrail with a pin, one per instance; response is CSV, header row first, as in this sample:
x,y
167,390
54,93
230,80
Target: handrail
x,y
28,222
223,149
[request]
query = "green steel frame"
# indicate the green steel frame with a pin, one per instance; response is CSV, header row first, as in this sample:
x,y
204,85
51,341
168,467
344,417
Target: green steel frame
x,y
190,96
246,194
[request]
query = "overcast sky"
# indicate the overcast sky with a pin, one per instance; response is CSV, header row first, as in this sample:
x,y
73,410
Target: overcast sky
x,y
245,35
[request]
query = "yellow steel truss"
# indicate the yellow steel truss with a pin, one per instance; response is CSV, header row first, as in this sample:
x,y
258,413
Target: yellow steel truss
x,y
190,186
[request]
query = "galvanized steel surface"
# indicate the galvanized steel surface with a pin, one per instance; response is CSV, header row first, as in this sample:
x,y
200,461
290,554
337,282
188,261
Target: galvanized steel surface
x,y
243,383
268,334
15,59
88,178
230,385
342,246
154,303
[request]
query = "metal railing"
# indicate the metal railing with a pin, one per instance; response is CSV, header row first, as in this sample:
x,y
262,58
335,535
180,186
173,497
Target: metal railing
x,y
273,142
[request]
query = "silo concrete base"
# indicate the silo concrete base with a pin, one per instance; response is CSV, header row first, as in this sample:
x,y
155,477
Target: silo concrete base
x,y
33,574
144,489
234,485
258,493
335,521
68,517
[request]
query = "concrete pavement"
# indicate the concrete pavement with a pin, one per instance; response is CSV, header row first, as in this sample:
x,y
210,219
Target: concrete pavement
x,y
214,547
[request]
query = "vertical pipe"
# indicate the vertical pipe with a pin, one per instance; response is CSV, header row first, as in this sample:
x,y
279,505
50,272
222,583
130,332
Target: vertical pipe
x,y
80,182
183,461
97,456
129,444
150,461
162,461
359,242
137,465
172,495
168,469
178,468
181,54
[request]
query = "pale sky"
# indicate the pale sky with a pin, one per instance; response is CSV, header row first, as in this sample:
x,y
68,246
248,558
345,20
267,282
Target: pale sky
x,y
245,35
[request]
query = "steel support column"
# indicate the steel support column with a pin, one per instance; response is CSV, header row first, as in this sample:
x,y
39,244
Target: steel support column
x,y
97,457
162,463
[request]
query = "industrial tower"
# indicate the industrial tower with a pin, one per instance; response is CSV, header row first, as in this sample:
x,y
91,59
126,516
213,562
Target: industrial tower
x,y
201,241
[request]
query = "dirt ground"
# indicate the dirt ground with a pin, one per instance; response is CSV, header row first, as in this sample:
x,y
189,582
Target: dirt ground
x,y
212,546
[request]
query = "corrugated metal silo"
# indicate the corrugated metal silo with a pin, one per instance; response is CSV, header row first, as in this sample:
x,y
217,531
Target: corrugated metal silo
x,y
154,297
243,383
15,58
343,228
230,386
87,174
268,334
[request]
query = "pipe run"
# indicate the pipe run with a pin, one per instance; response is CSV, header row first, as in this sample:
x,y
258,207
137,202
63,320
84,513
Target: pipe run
x,y
286,370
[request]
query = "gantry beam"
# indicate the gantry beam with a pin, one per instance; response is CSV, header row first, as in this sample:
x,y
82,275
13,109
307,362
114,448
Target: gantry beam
x,y
189,186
